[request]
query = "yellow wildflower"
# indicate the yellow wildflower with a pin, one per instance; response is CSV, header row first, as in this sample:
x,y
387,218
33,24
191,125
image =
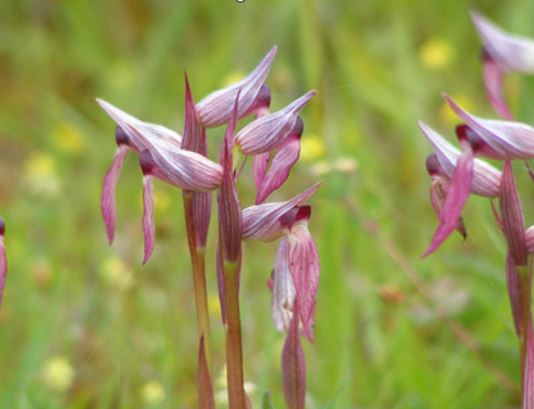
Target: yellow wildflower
x,y
152,392
436,53
41,174
58,374
117,275
68,138
311,148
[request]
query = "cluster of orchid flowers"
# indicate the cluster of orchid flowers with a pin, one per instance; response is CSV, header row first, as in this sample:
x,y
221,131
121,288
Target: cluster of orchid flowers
x,y
456,173
273,140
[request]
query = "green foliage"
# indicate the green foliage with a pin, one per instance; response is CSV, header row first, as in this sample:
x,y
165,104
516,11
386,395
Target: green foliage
x,y
85,325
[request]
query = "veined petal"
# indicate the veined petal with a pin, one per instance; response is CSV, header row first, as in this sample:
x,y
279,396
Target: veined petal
x,y
529,238
216,108
270,131
260,168
142,134
493,79
512,216
457,195
281,165
188,170
283,297
107,204
512,140
304,265
294,369
486,179
511,52
3,260
263,222
148,216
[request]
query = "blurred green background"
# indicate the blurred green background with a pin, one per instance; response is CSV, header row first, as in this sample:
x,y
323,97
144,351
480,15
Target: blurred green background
x,y
84,325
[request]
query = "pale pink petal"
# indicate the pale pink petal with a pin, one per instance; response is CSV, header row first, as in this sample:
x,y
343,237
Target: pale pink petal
x,y
294,369
455,201
283,296
262,222
216,108
107,204
511,52
148,216
511,140
281,165
141,134
493,78
270,131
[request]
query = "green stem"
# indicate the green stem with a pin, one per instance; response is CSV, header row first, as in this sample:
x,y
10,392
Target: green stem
x,y
198,262
234,349
526,315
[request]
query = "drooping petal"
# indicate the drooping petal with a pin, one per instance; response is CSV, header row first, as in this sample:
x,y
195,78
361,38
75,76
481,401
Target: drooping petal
x,y
3,260
304,265
283,289
260,168
148,216
294,369
141,134
438,195
270,131
512,216
493,82
280,166
194,139
263,222
486,179
107,204
514,294
511,52
511,140
456,197
216,108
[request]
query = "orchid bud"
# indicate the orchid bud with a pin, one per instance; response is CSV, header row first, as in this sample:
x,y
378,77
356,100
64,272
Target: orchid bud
x,y
3,259
216,108
507,139
270,131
